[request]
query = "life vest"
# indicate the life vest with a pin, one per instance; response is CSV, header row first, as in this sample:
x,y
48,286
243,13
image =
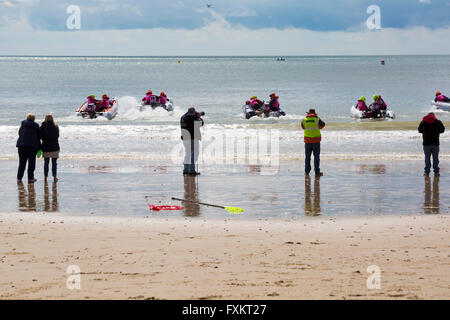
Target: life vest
x,y
105,104
361,105
275,104
153,99
255,102
162,99
311,124
440,98
381,103
91,107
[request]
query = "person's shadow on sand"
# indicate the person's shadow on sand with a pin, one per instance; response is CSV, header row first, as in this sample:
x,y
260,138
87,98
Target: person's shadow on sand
x,y
191,193
312,208
27,198
431,203
53,205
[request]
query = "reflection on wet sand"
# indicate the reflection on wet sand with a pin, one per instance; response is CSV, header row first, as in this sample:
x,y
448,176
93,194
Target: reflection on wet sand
x,y
27,198
254,169
53,205
264,169
312,208
376,168
431,204
159,169
106,169
100,169
191,193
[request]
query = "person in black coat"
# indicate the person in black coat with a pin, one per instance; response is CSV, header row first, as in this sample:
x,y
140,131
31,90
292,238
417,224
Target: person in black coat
x,y
190,124
49,133
431,128
28,145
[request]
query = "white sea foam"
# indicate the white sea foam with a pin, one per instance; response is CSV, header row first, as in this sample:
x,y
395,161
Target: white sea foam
x,y
129,110
157,141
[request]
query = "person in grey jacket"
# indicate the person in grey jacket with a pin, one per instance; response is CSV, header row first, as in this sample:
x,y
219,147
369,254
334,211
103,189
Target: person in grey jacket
x,y
28,145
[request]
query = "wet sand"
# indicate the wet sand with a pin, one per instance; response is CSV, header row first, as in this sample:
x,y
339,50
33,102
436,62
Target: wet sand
x,y
125,188
318,258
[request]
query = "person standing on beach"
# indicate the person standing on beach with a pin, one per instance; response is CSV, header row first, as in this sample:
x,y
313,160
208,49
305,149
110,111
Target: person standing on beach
x,y
311,126
430,128
190,124
49,132
28,145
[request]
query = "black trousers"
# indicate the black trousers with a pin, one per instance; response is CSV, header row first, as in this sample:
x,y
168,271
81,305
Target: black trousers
x,y
27,154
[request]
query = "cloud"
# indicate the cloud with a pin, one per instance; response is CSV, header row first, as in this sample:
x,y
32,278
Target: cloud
x,y
219,39
286,27
324,15
9,4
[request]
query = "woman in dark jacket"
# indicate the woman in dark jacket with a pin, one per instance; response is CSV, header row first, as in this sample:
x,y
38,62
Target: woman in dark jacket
x,y
50,147
28,145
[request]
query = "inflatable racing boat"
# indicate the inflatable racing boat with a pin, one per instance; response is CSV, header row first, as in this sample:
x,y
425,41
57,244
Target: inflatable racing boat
x,y
109,113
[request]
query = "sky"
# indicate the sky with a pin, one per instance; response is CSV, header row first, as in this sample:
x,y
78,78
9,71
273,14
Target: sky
x,y
227,27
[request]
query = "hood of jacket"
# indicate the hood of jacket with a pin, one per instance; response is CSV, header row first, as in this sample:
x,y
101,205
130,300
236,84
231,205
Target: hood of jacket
x,y
429,118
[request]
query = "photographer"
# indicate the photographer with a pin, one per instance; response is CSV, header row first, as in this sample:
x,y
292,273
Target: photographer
x,y
190,124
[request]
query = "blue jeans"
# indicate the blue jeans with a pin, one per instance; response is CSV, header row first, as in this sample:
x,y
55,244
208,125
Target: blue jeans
x,y
429,151
315,149
46,166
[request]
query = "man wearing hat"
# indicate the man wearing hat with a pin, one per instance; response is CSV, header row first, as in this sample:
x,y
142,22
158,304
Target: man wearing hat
x,y
431,128
311,126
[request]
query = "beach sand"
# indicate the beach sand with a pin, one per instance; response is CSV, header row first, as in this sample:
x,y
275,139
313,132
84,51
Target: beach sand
x,y
136,258
298,238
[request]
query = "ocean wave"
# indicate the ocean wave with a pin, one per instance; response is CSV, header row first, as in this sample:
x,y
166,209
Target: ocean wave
x,y
354,131
241,159
158,141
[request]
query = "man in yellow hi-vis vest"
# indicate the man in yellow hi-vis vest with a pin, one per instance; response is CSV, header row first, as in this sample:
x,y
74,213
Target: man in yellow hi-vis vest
x,y
312,137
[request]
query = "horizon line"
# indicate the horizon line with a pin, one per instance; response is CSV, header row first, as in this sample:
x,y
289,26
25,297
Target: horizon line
x,y
221,56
